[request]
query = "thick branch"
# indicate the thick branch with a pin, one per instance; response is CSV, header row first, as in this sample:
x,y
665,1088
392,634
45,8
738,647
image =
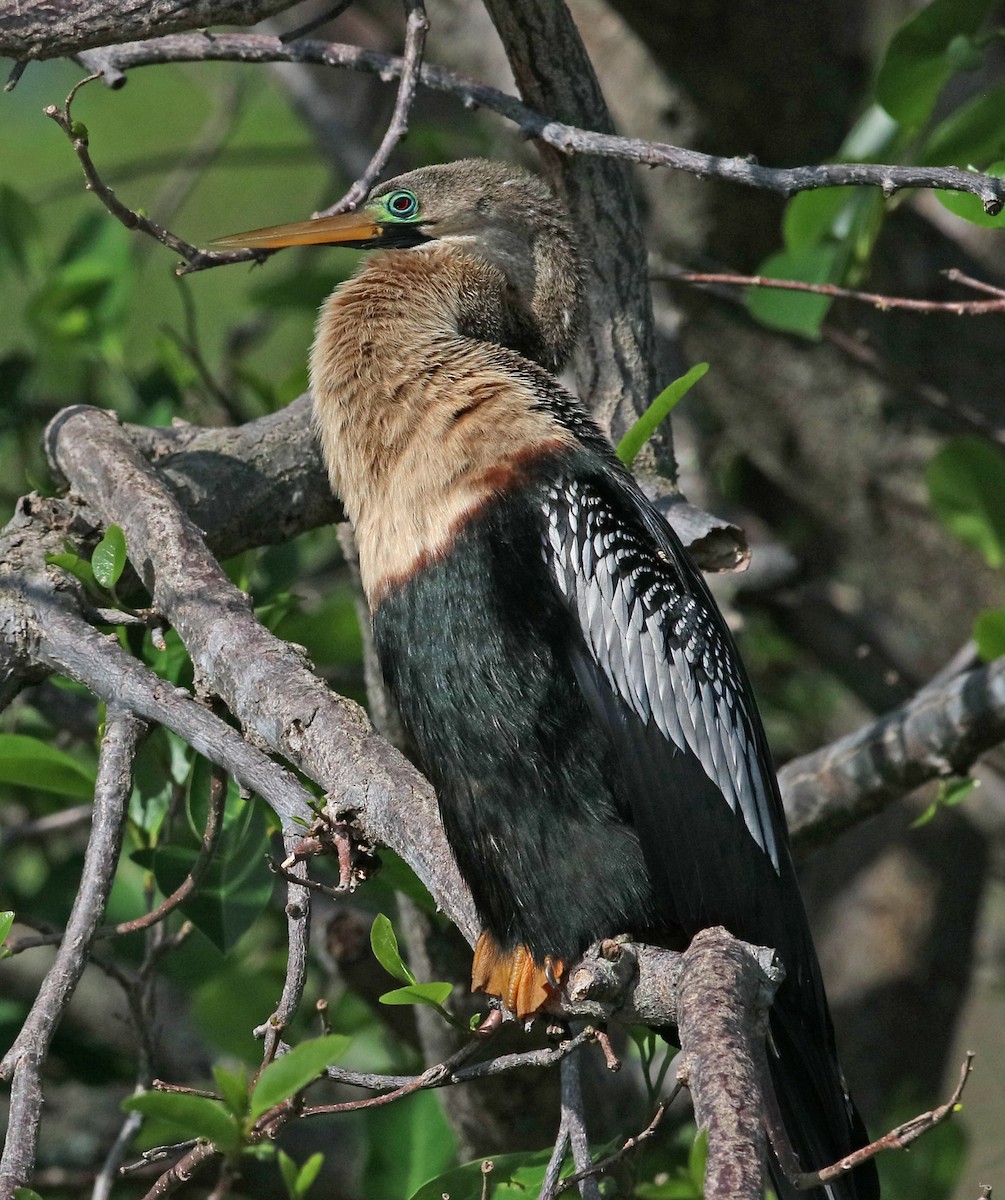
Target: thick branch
x,y
55,30
722,1005
566,138
937,735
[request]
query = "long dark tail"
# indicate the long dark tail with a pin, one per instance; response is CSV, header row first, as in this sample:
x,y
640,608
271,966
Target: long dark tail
x,y
820,1119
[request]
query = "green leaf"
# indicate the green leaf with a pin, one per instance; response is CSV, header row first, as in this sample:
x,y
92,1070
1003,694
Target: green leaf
x,y
989,633
237,885
298,1180
966,486
30,762
189,1116
924,54
949,793
797,312
969,207
408,1143
385,949
656,413
79,567
512,1177
292,1072
109,557
26,1193
972,133
233,1086
433,994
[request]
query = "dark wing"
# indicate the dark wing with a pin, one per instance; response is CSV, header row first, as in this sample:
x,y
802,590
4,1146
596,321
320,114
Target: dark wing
x,y
659,670
663,680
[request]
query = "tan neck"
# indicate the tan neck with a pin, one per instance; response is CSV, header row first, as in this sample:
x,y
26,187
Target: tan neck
x,y
419,425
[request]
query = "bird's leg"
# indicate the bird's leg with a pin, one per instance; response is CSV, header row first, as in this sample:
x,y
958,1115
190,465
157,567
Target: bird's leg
x,y
522,984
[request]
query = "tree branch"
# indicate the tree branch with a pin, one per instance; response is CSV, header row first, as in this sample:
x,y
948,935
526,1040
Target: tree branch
x,y
123,734
938,734
566,138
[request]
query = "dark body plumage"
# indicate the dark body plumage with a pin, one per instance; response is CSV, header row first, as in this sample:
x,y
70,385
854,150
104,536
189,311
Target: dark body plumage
x,y
571,687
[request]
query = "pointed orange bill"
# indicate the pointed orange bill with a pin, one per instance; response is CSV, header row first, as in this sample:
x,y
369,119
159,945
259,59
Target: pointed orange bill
x,y
347,228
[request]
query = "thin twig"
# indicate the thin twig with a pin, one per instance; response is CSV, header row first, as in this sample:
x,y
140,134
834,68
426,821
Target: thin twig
x,y
877,300
123,733
298,924
322,18
416,28
897,1139
603,1165
434,1076
77,133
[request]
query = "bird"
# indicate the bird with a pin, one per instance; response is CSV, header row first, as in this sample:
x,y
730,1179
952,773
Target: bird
x,y
570,686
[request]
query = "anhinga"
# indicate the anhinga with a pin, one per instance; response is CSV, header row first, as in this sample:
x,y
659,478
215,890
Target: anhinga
x,y
572,689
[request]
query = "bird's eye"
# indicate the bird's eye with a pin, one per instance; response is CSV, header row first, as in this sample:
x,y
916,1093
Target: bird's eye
x,y
402,204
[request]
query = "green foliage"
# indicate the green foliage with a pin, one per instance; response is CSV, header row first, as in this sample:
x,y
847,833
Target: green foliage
x,y
511,1177
293,1071
6,921
109,558
190,1117
408,1143
925,53
684,1182
237,884
949,793
33,763
829,234
384,944
989,633
966,486
657,412
298,1180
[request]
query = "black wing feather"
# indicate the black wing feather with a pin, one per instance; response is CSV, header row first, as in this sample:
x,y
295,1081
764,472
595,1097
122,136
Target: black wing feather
x,y
659,672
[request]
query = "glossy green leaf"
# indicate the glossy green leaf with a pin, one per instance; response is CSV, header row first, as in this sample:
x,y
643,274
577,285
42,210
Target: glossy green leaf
x,y
796,312
657,412
966,486
385,949
233,1087
30,762
292,1072
812,217
989,633
109,558
189,1116
924,54
26,1193
6,921
433,994
969,207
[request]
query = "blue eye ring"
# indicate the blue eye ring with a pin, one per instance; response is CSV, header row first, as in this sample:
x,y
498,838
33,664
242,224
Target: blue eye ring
x,y
402,205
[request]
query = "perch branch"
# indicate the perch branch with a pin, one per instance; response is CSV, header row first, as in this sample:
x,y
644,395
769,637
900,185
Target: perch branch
x,y
567,139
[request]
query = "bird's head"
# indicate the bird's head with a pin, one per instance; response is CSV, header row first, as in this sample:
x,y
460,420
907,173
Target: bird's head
x,y
485,209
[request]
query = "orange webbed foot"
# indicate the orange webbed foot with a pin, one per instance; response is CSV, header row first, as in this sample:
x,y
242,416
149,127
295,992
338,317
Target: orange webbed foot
x,y
522,984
